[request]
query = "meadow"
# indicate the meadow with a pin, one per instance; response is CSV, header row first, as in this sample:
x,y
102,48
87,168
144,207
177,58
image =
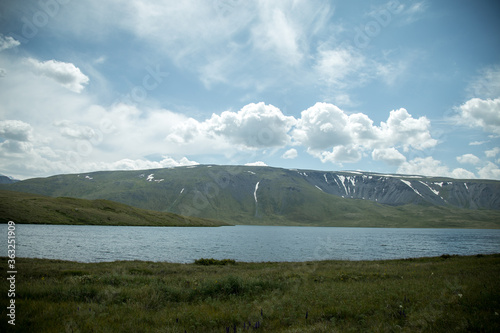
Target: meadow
x,y
440,294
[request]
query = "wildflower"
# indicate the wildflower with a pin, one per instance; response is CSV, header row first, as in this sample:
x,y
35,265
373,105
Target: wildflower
x,y
460,295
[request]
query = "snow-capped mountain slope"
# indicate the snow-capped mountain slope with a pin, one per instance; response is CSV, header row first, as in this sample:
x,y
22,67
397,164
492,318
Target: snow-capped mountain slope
x,y
266,195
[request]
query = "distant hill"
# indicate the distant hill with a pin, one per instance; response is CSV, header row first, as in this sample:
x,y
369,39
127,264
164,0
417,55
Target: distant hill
x,y
30,208
266,195
7,180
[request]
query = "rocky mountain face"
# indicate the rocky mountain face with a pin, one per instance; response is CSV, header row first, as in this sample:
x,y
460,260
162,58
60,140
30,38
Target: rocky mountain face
x,y
266,195
399,190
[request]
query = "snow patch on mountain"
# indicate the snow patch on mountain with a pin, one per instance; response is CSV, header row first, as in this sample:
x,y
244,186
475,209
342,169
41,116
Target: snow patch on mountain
x,y
436,192
409,184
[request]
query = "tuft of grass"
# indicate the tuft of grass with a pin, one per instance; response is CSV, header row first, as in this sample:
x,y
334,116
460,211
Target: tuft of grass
x,y
441,294
212,261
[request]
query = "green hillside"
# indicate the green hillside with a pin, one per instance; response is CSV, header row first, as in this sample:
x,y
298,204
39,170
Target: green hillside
x,y
30,208
270,196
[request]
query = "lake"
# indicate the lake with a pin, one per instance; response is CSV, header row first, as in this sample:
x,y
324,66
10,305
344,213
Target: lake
x,y
243,243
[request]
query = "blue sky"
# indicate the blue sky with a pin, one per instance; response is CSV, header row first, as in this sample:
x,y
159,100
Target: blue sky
x,y
383,86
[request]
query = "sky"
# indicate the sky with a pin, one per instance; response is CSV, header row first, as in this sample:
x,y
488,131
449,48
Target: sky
x,y
397,86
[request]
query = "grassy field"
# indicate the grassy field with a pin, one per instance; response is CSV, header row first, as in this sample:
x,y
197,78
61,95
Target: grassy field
x,y
443,294
32,208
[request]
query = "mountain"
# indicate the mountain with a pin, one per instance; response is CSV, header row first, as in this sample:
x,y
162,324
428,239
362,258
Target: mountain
x,y
266,195
7,180
31,208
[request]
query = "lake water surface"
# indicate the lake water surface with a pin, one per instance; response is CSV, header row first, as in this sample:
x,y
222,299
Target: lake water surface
x,y
243,243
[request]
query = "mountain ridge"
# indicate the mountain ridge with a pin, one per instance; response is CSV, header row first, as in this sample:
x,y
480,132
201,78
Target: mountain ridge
x,y
279,196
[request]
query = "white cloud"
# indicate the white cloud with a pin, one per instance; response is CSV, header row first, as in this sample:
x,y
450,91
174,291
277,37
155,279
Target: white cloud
x,y
7,42
391,72
460,173
258,163
402,128
492,152
412,13
14,147
74,131
66,74
322,126
486,84
141,164
276,34
339,154
340,67
481,113
254,126
490,171
389,155
428,166
468,159
216,40
290,154
16,130
325,126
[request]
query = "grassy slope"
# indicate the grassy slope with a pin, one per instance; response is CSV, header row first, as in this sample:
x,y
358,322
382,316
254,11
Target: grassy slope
x,y
30,208
283,198
419,295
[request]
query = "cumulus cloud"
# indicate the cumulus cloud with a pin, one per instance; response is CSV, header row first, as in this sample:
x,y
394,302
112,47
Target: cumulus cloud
x,y
324,126
339,154
461,173
7,42
389,155
402,128
254,126
468,159
481,113
290,154
15,130
428,166
66,74
489,171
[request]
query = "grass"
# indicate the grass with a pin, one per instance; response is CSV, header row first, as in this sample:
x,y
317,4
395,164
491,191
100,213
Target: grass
x,y
442,294
32,208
